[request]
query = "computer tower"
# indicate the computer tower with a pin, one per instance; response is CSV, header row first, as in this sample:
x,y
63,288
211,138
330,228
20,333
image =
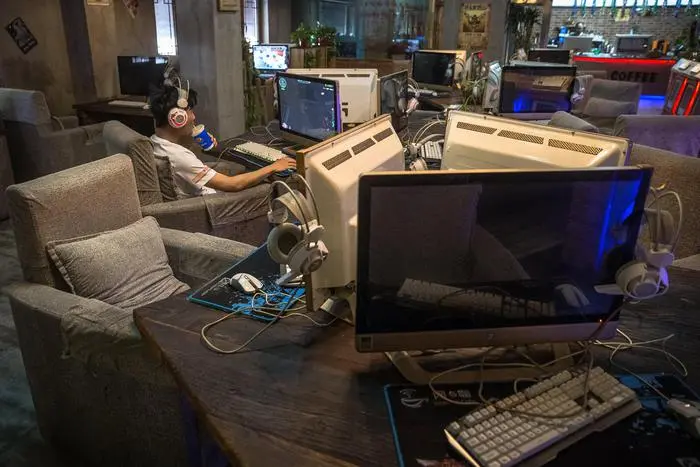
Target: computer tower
x,y
683,90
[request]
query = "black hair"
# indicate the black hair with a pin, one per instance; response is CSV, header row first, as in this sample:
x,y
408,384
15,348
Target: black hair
x,y
163,99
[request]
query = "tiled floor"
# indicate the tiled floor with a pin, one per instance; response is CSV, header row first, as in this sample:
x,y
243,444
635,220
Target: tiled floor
x,y
21,444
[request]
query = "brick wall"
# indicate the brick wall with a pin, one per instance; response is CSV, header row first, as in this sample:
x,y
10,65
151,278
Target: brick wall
x,y
660,27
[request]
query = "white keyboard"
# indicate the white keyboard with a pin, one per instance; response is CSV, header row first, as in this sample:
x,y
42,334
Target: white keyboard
x,y
542,420
134,104
431,151
260,151
477,300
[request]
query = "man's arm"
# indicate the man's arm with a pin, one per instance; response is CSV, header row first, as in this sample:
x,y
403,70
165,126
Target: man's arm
x,y
241,182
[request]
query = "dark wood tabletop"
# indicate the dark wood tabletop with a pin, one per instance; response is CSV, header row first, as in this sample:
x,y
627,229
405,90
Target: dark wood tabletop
x,y
301,395
103,106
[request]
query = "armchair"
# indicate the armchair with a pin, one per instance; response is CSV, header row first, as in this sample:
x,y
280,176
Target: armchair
x,y
6,176
608,100
241,216
99,395
41,144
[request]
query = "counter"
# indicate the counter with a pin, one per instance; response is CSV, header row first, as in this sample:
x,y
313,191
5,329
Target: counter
x,y
653,73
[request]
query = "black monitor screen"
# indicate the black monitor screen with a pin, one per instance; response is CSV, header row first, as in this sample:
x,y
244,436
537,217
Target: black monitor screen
x,y
504,249
434,68
394,98
270,57
561,56
536,89
137,74
308,107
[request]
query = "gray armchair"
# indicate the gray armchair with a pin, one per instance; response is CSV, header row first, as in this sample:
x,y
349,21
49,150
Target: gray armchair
x,y
99,395
240,216
608,100
6,176
41,144
670,132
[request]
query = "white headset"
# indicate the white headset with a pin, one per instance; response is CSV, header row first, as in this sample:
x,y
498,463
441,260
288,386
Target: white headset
x,y
646,277
298,246
177,117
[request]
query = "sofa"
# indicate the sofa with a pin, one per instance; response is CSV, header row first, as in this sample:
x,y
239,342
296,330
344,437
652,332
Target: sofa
x,y
669,132
40,143
100,396
239,216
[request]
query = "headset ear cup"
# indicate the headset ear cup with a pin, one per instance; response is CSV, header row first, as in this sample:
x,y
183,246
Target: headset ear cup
x,y
282,240
177,118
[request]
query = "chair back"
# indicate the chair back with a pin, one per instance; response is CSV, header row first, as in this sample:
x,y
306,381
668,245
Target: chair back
x,y
680,173
6,177
618,91
669,132
83,200
121,139
22,106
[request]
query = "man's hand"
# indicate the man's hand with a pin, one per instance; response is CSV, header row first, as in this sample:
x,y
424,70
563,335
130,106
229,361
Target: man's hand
x,y
285,163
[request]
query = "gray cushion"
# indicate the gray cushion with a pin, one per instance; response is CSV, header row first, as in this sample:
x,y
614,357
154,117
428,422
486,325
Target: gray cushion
x,y
599,107
166,178
126,268
563,119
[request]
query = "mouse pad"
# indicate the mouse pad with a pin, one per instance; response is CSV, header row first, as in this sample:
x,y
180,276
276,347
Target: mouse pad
x,y
219,295
651,437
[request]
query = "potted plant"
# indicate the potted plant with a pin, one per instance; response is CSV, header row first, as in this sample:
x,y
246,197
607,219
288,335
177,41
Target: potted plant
x,y
303,36
521,23
325,35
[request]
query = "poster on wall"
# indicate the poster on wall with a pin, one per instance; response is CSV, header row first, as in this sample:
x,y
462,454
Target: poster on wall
x,y
99,2
132,6
474,26
21,34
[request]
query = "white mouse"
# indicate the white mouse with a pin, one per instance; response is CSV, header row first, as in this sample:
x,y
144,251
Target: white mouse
x,y
245,283
572,295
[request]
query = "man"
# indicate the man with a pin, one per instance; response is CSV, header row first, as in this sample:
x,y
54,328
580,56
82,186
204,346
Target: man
x,y
192,176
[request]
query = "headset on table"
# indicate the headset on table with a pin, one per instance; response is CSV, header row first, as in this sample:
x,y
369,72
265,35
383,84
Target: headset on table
x,y
177,117
300,247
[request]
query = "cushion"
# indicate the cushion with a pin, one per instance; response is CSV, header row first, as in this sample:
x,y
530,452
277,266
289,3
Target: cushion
x,y
166,178
127,268
598,107
563,119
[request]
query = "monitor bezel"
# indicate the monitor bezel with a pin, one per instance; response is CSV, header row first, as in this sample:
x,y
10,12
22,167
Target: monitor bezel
x,y
540,66
368,340
271,70
438,87
554,52
296,136
403,119
120,70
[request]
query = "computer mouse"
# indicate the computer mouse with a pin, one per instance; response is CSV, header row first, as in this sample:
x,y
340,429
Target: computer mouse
x,y
245,283
688,415
572,295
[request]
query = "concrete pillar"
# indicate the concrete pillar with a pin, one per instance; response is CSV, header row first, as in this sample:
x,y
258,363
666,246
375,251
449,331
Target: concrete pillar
x,y
497,30
211,58
79,51
451,21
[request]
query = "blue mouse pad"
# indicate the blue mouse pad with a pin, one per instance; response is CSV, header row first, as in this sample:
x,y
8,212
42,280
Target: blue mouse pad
x,y
651,437
219,295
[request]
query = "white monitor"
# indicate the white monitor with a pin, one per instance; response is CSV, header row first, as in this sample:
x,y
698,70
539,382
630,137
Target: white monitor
x,y
358,91
332,169
270,58
492,90
475,141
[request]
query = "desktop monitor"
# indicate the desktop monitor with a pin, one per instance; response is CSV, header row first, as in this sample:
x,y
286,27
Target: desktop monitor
x,y
309,108
434,69
550,55
499,263
358,91
270,58
578,43
332,169
535,91
493,86
138,74
393,98
475,141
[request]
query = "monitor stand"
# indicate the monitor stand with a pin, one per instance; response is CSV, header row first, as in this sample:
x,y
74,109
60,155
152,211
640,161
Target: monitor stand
x,y
415,366
292,151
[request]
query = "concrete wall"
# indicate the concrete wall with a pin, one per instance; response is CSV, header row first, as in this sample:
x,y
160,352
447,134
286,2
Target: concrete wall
x,y
497,25
280,20
46,67
114,32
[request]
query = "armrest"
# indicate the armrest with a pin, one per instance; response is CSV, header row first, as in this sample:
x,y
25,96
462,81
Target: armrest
x,y
185,214
65,123
90,134
197,257
96,333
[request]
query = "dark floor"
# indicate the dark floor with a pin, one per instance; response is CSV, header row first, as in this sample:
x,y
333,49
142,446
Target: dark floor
x,y
21,444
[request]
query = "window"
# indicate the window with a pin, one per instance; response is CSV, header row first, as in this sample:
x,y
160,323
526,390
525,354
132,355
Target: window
x,y
250,20
337,14
165,27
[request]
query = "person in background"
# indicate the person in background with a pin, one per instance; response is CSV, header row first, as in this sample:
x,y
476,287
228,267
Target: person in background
x,y
172,110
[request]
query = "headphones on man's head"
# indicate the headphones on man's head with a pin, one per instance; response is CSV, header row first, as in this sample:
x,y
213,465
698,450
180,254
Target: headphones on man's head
x,y
177,117
298,246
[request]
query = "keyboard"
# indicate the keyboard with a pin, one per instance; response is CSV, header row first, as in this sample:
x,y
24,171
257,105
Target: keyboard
x,y
480,301
260,154
431,151
134,104
542,420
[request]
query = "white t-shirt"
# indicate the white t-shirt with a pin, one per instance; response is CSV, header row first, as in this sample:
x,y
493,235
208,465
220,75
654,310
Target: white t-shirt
x,y
191,174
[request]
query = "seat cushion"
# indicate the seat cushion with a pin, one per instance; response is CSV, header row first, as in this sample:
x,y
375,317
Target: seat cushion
x,y
127,267
599,107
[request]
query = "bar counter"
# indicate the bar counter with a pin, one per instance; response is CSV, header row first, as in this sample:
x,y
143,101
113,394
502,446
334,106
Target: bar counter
x,y
653,73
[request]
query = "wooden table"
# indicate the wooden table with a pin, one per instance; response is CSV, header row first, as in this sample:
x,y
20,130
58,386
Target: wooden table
x,y
302,396
441,103
138,119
